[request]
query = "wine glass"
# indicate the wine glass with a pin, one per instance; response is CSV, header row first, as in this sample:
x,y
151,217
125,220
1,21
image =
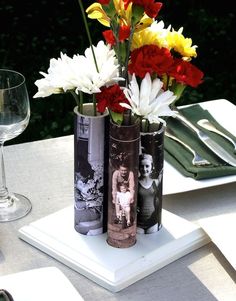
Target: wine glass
x,y
14,118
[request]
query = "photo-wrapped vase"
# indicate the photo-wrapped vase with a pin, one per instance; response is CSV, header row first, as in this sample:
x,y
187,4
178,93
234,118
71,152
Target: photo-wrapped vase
x,y
90,171
122,186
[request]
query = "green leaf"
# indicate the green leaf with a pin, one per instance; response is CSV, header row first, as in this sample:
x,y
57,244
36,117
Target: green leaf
x,y
109,9
138,12
116,117
178,90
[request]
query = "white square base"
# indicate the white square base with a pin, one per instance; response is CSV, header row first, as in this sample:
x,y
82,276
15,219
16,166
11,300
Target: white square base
x,y
110,267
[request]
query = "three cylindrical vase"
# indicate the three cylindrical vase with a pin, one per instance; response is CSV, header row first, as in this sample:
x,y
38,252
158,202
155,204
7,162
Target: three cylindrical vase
x,y
150,181
122,186
90,171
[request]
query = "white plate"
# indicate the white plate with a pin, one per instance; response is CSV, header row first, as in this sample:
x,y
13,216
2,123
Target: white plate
x,y
174,182
221,230
45,284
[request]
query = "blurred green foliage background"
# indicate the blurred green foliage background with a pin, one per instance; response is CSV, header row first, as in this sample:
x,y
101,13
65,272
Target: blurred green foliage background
x,y
34,32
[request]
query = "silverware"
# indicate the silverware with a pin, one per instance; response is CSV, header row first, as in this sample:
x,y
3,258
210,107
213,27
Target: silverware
x,y
206,124
211,144
197,159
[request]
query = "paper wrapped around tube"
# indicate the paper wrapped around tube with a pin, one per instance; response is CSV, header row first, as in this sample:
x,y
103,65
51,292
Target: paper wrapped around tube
x,y
122,187
90,172
150,183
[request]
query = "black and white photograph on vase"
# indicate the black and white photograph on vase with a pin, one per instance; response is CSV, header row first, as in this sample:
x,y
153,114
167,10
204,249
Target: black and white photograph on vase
x,y
123,189
89,176
122,205
150,183
148,196
122,192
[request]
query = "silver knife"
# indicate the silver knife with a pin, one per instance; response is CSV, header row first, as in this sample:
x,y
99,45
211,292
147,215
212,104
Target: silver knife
x,y
211,144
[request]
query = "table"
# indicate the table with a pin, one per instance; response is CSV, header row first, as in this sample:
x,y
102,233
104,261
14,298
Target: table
x,y
43,171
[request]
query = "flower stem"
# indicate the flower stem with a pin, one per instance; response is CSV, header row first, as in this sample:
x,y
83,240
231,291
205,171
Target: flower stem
x,y
128,53
141,123
146,130
88,33
79,100
167,82
94,105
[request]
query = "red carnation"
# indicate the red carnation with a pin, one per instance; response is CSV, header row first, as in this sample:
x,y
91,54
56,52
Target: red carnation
x,y
151,59
151,8
186,73
111,97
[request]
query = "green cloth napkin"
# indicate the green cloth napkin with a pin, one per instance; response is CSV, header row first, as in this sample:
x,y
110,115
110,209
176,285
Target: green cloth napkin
x,y
178,156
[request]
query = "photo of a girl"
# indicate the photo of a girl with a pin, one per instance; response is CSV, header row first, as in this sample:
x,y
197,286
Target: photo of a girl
x,y
148,196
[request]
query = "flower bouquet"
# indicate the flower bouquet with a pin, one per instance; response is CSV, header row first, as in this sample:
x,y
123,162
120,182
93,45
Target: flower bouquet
x,y
140,54
134,75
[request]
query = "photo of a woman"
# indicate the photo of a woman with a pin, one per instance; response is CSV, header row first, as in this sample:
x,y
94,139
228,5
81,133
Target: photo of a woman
x,y
148,196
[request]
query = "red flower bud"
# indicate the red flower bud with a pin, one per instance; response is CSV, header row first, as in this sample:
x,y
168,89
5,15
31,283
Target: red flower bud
x,y
151,8
109,37
104,2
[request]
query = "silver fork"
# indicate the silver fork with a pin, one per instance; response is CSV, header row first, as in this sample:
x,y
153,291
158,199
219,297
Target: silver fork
x,y
197,159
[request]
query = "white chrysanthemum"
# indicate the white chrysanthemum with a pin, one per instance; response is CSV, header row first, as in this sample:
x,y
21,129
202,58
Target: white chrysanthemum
x,y
89,80
79,73
58,78
149,101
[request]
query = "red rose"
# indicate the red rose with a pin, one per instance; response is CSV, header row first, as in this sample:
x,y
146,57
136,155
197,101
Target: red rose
x,y
111,97
186,73
151,8
151,59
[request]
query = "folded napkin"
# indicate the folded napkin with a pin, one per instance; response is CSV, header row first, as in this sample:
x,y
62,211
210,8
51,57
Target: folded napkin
x,y
178,156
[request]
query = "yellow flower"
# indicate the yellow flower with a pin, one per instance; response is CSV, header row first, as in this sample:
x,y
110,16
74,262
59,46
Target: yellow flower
x,y
144,23
95,11
182,45
153,35
124,15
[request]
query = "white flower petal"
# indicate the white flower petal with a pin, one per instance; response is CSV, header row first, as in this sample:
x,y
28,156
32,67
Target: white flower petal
x,y
125,105
79,73
149,101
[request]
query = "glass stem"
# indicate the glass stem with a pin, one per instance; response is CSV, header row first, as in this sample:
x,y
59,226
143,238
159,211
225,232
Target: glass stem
x,y
3,189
